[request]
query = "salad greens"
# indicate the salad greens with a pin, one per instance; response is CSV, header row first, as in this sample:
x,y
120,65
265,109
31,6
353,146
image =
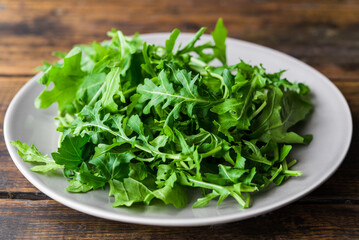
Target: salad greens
x,y
151,122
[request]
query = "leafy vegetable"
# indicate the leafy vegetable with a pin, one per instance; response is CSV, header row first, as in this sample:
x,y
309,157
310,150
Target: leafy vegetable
x,y
33,155
153,121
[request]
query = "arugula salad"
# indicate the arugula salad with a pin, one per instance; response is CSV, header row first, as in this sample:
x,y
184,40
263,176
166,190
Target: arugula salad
x,y
153,122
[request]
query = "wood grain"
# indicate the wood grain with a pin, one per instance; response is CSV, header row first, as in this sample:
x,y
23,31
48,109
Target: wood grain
x,y
41,219
307,30
322,33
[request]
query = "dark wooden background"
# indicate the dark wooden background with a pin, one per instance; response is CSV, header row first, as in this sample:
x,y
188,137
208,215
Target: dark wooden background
x,y
324,34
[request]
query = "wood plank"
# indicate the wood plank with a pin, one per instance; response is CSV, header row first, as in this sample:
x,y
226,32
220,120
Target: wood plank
x,y
41,219
321,33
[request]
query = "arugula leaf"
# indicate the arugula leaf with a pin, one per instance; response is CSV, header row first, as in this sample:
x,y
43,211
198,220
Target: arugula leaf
x,y
78,187
113,166
219,36
170,43
152,121
176,195
271,120
90,87
189,47
66,79
70,152
147,66
32,155
90,177
112,87
128,192
202,202
295,108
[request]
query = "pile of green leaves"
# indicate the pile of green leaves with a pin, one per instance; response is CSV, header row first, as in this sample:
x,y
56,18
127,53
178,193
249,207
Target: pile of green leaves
x,y
153,121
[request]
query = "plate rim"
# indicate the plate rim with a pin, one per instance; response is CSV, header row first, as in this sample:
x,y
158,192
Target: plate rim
x,y
182,222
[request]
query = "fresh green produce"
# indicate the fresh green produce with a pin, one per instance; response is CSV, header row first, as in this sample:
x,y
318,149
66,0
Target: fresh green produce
x,y
151,122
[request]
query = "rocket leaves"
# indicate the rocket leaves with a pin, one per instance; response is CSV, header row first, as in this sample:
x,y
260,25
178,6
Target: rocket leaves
x,y
34,156
151,122
70,153
219,38
67,80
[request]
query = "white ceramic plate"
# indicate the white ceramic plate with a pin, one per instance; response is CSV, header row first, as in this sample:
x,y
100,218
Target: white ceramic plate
x,y
330,123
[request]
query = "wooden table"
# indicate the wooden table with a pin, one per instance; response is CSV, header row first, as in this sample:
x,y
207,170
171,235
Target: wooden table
x,y
323,33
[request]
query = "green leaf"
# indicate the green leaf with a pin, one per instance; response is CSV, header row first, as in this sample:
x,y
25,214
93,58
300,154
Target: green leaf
x,y
202,202
284,152
250,176
87,176
176,196
147,66
170,43
256,154
139,171
295,108
112,87
91,87
189,47
230,104
272,122
230,173
67,79
112,165
128,192
70,152
182,142
78,187
166,94
219,37
33,155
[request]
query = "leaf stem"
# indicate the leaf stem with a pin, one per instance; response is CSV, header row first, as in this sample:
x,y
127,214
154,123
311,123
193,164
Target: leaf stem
x,y
238,199
210,153
129,90
258,110
96,96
